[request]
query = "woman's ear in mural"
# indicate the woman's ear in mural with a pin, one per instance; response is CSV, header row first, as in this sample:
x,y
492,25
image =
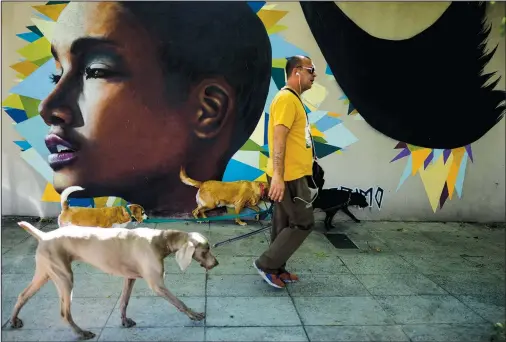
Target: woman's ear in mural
x,y
215,105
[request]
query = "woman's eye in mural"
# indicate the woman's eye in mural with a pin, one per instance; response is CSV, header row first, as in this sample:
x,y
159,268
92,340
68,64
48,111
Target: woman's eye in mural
x,y
98,71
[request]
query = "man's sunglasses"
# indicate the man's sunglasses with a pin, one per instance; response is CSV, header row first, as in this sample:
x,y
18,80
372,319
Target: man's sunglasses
x,y
310,70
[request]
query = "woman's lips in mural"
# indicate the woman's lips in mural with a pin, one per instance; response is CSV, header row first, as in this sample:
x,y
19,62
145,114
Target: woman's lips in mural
x,y
62,154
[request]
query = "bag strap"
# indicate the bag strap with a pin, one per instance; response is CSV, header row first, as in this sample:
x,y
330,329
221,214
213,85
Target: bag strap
x,y
307,118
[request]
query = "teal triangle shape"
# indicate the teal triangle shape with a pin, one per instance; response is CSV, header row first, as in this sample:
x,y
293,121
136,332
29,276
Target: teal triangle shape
x,y
278,75
323,150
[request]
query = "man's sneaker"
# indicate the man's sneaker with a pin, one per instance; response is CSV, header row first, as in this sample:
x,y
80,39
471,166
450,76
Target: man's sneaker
x,y
271,279
288,277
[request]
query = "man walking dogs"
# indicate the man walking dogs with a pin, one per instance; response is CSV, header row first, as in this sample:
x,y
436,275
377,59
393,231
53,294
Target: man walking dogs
x,y
291,160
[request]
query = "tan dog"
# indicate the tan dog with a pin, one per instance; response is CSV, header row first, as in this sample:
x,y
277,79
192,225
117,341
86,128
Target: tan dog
x,y
237,195
130,253
110,217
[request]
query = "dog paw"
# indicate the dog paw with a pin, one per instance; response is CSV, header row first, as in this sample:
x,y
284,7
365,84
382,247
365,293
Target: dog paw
x,y
242,223
16,323
128,323
87,335
196,316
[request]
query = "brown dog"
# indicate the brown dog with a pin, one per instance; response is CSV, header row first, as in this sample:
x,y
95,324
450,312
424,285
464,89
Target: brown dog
x,y
237,195
129,253
111,217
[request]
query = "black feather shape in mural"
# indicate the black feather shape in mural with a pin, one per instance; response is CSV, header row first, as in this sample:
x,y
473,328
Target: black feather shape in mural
x,y
428,90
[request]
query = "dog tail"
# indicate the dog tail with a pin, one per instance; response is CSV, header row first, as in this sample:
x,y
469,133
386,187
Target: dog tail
x,y
65,194
38,234
187,180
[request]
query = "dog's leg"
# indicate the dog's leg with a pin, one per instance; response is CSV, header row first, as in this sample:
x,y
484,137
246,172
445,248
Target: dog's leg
x,y
39,279
238,209
128,285
195,213
257,209
63,278
155,282
348,212
329,216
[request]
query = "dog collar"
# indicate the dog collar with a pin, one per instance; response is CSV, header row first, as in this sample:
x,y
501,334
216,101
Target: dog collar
x,y
262,189
129,212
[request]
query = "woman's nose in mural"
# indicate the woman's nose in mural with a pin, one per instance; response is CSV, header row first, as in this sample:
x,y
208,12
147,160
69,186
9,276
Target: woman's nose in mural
x,y
56,109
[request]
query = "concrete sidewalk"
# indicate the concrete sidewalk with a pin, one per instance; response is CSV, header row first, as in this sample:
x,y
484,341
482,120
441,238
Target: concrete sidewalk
x,y
405,281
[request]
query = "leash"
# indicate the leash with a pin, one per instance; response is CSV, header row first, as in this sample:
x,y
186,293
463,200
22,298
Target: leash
x,y
339,206
214,218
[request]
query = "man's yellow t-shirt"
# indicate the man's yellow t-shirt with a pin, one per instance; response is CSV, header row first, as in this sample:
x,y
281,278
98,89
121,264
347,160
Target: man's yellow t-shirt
x,y
286,109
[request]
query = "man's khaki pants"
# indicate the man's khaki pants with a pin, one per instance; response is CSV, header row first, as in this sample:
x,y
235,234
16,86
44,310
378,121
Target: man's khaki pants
x,y
292,222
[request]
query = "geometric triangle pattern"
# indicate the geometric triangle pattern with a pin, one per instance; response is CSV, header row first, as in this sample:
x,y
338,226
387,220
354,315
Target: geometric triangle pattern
x,y
442,171
329,133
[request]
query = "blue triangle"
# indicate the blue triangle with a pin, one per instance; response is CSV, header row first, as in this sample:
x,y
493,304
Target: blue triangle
x,y
323,150
38,84
328,71
18,115
44,17
28,36
256,5
24,145
282,49
35,30
239,171
81,202
327,122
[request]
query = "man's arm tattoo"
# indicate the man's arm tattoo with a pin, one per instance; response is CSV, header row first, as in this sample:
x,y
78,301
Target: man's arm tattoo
x,y
279,162
280,133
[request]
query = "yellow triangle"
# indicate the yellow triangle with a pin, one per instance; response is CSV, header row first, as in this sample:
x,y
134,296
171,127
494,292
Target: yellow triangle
x,y
418,156
457,153
50,194
279,63
258,134
13,101
100,202
51,11
433,179
262,178
25,67
317,133
270,17
335,115
46,27
263,161
37,50
276,29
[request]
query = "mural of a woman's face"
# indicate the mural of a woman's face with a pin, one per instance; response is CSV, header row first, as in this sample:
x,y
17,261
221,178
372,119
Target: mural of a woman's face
x,y
110,122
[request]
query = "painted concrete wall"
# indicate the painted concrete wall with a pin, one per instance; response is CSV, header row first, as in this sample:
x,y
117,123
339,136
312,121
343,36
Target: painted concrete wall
x,y
364,161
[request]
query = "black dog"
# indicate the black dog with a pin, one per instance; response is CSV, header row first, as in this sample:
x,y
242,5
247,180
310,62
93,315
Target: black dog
x,y
331,201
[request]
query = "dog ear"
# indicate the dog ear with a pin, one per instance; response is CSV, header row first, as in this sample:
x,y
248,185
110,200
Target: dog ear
x,y
184,255
134,208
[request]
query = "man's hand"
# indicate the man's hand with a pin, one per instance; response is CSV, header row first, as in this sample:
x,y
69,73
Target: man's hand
x,y
277,188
